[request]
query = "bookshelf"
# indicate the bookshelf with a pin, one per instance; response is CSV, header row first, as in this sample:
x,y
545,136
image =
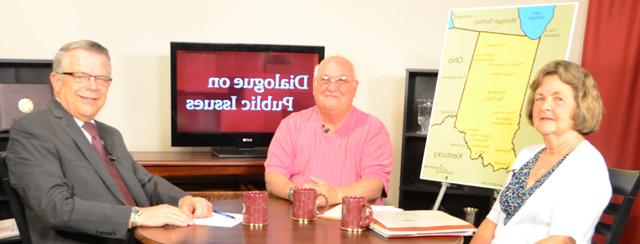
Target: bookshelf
x,y
415,193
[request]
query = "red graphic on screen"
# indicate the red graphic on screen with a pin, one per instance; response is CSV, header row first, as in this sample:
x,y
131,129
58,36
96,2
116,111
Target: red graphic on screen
x,y
271,84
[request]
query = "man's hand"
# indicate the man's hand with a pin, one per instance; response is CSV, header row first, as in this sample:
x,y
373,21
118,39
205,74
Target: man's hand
x,y
161,215
196,207
332,193
370,188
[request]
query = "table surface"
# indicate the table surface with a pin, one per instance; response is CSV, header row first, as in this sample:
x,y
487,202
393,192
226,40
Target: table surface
x,y
280,230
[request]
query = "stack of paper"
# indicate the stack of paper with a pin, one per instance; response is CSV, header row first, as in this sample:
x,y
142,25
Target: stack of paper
x,y
420,223
336,212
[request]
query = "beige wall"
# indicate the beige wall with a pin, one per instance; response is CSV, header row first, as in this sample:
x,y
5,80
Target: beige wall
x,y
382,38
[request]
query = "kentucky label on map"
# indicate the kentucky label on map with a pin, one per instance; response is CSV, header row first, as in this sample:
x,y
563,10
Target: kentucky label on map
x,y
478,122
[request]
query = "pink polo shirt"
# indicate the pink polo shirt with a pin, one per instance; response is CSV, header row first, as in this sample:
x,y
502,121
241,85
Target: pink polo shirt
x,y
359,149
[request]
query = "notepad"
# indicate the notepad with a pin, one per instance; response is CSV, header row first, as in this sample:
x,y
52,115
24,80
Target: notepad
x,y
220,220
419,223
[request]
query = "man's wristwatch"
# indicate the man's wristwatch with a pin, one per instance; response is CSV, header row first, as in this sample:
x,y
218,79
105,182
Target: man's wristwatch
x,y
135,213
290,193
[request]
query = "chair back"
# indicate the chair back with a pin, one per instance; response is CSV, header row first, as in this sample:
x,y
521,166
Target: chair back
x,y
625,185
14,202
5,209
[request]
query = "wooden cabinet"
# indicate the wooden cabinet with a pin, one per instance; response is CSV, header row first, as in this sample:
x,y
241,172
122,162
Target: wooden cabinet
x,y
416,193
200,171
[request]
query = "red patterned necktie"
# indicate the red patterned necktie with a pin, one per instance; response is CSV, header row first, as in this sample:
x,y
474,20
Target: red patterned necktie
x,y
97,144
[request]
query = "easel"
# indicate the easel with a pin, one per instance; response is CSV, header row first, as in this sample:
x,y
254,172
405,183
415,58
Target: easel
x,y
443,188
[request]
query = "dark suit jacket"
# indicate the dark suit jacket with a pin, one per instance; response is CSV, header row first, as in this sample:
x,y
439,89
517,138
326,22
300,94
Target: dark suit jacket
x,y
68,193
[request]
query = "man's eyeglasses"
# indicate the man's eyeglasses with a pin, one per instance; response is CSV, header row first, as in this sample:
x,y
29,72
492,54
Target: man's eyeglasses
x,y
341,81
84,78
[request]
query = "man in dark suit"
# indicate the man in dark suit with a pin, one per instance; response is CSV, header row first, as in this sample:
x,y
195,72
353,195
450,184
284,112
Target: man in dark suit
x,y
76,178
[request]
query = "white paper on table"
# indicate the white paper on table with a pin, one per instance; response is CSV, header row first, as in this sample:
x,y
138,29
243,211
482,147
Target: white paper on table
x,y
419,223
428,219
219,220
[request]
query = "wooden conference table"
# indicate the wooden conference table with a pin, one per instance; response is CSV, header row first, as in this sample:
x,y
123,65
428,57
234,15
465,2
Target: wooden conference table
x,y
280,230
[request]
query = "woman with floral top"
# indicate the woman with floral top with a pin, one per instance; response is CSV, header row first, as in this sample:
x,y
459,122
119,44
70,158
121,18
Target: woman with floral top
x,y
556,191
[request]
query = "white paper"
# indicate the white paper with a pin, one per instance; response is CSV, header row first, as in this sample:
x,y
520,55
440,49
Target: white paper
x,y
420,223
219,220
390,234
419,218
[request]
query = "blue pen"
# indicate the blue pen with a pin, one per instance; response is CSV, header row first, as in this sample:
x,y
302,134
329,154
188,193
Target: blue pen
x,y
224,214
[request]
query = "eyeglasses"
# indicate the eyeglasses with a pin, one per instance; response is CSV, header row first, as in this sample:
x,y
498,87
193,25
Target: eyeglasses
x,y
341,81
83,79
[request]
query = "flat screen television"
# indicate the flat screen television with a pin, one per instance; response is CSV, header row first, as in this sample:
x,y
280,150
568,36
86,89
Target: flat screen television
x,y
231,97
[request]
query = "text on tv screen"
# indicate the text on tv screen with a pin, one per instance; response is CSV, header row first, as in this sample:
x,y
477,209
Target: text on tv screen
x,y
240,91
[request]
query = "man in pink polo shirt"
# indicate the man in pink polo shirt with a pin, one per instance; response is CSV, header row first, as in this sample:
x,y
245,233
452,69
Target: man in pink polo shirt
x,y
333,146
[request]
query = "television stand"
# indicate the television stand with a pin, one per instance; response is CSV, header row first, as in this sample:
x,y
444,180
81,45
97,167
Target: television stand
x,y
239,152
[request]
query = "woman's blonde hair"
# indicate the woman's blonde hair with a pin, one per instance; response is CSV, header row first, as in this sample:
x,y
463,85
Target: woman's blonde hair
x,y
589,107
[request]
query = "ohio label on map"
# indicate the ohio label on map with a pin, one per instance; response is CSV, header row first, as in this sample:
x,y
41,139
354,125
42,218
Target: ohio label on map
x,y
478,122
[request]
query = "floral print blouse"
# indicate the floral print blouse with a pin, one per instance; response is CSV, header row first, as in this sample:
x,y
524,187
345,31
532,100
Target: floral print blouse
x,y
516,193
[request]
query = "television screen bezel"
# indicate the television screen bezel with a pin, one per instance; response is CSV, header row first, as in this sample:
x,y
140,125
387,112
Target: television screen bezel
x,y
238,140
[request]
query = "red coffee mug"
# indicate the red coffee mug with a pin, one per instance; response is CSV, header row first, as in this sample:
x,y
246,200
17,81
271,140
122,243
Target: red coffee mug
x,y
254,208
304,204
356,214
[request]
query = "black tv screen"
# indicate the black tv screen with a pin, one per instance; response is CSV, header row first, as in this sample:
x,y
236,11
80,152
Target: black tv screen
x,y
235,95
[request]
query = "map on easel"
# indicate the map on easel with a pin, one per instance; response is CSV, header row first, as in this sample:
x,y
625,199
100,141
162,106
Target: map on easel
x,y
478,121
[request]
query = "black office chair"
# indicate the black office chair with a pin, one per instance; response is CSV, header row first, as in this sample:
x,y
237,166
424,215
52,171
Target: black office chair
x,y
625,184
14,202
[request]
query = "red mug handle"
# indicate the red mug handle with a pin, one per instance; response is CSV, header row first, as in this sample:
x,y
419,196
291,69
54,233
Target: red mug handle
x,y
368,217
326,204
